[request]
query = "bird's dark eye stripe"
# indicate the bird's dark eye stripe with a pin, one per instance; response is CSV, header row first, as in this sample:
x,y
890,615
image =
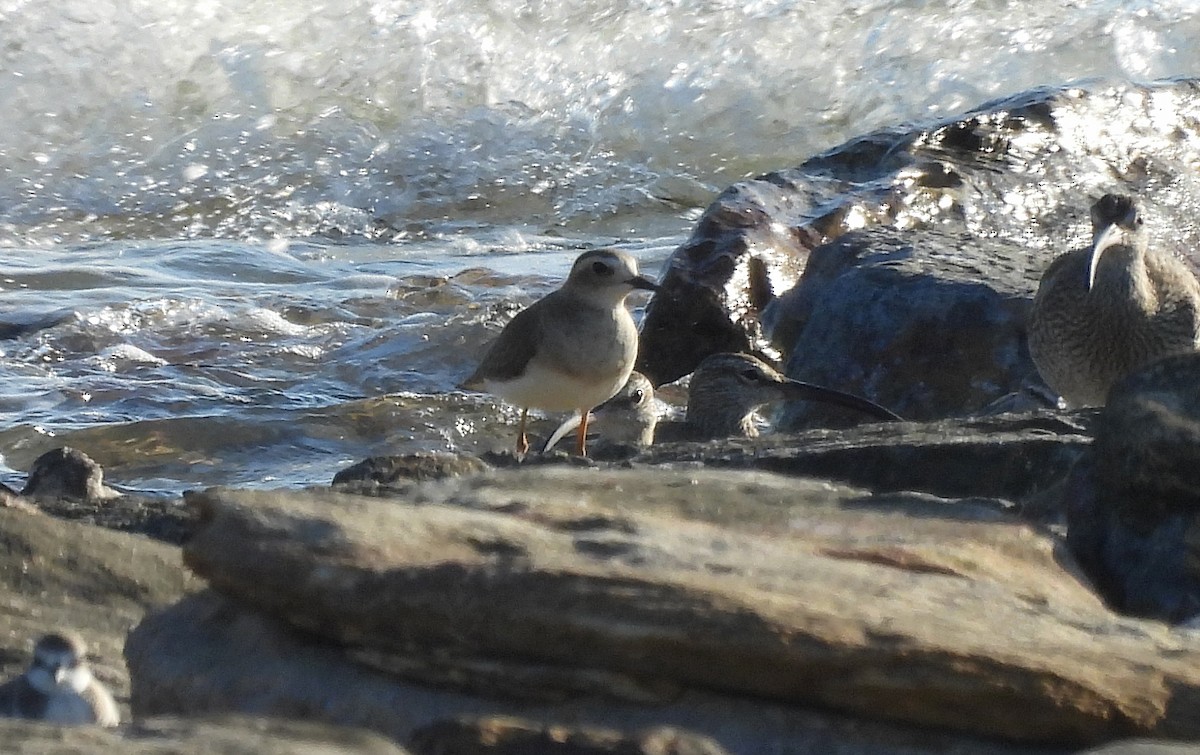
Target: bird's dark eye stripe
x,y
599,268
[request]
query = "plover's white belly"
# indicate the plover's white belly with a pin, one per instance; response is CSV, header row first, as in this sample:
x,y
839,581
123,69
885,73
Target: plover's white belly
x,y
547,388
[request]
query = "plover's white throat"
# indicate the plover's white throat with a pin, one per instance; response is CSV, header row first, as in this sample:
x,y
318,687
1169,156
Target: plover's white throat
x,y
59,687
1103,311
570,350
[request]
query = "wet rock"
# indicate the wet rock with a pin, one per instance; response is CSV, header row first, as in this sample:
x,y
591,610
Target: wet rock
x,y
1134,504
58,574
69,484
930,324
500,735
760,589
1019,171
229,735
1014,457
715,286
388,470
67,473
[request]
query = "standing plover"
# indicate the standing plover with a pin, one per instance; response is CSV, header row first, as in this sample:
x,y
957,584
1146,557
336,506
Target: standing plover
x,y
1103,311
570,350
59,687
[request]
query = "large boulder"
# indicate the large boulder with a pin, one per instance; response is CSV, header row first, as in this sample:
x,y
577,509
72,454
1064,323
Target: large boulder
x,y
1005,187
1133,502
657,591
928,323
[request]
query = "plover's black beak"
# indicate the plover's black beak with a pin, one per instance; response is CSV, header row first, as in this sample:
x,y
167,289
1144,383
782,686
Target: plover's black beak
x,y
645,284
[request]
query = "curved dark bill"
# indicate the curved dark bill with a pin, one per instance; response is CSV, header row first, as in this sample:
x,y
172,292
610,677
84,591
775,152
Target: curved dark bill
x,y
809,392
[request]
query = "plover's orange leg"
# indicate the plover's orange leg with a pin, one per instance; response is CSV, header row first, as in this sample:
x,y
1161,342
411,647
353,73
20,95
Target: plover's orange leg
x,y
581,438
522,438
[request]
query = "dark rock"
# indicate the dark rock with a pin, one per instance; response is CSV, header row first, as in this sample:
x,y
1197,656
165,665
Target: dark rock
x,y
67,473
1134,504
715,286
388,470
930,324
513,736
229,735
1013,456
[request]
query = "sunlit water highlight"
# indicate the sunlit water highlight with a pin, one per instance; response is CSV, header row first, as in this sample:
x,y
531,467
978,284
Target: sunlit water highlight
x,y
251,243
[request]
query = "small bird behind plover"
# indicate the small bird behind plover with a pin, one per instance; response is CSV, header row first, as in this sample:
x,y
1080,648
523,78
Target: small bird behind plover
x,y
1103,311
59,687
724,395
570,350
628,417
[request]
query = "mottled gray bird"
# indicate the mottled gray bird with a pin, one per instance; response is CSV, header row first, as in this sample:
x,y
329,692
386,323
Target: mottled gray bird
x,y
59,687
628,417
724,395
1106,310
570,350
727,389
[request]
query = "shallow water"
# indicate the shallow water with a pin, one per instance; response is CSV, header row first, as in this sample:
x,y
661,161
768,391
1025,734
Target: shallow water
x,y
252,243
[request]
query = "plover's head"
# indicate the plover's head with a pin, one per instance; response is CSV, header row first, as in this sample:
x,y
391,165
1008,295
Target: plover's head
x,y
607,274
59,664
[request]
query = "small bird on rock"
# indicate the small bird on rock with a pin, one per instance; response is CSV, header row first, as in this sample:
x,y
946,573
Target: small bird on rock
x,y
724,394
727,389
59,687
628,417
1106,310
570,350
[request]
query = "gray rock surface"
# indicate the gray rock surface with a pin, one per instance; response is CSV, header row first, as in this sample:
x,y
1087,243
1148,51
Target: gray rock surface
x,y
746,585
228,735
929,323
55,574
1016,457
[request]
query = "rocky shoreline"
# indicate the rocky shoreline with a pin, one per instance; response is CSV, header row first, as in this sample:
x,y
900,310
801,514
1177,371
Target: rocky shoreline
x,y
991,577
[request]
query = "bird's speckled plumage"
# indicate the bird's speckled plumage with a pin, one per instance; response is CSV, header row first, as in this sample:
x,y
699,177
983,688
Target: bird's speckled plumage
x,y
1104,311
727,389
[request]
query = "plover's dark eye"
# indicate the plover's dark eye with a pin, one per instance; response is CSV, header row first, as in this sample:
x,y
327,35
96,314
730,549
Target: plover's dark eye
x,y
638,395
599,268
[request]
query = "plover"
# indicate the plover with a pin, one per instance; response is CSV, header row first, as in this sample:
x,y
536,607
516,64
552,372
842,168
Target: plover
x,y
570,350
628,417
59,687
1103,311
